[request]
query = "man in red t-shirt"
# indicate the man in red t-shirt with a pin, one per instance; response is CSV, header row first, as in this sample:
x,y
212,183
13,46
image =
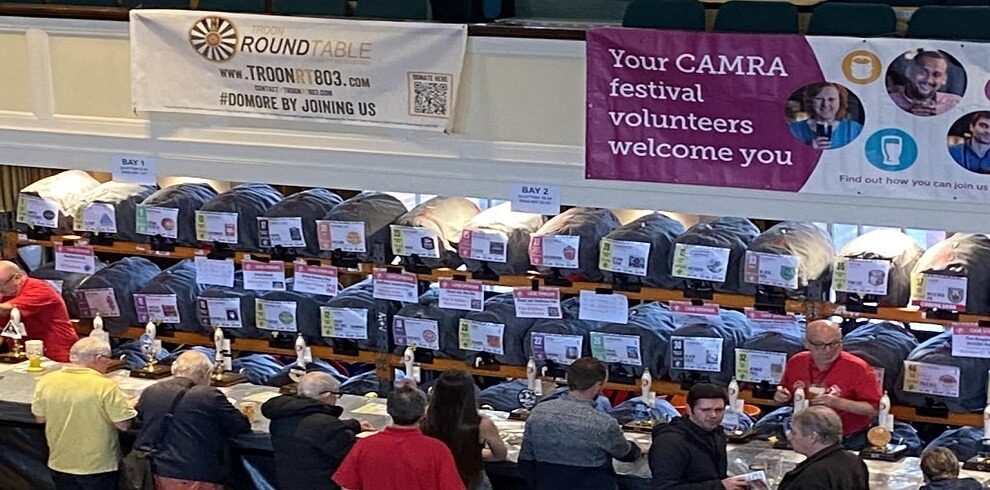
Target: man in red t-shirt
x,y
832,378
42,310
400,457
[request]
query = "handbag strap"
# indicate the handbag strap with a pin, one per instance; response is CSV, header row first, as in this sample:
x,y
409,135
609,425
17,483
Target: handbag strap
x,y
168,417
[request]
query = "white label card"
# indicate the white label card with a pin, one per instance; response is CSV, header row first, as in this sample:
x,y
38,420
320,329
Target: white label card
x,y
281,232
700,262
486,245
98,217
153,220
563,349
772,269
462,295
97,301
543,303
970,340
684,311
622,349
622,256
275,315
938,291
419,332
212,226
861,276
346,236
531,198
78,259
411,240
344,323
754,366
611,308
555,251
220,312
214,272
157,307
395,286
931,379
135,169
481,336
315,279
261,276
696,353
763,321
37,211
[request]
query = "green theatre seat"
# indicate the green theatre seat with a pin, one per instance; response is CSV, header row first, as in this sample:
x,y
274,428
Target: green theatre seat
x,y
248,6
337,8
955,23
853,19
392,9
757,17
685,15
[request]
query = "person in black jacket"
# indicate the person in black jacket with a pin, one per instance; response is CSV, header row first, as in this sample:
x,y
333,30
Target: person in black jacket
x,y
689,452
193,448
941,469
816,432
309,439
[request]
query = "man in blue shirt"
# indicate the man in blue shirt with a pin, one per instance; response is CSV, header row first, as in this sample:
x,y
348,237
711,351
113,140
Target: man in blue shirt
x,y
974,153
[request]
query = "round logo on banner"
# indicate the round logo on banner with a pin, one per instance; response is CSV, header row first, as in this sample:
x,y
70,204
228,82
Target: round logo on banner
x,y
861,67
891,150
214,38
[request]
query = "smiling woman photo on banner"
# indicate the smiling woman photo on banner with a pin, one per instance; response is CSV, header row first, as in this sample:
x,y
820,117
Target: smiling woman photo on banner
x,y
969,142
825,115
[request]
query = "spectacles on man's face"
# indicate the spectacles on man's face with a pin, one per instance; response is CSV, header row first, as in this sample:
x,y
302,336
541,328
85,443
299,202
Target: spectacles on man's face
x,y
4,283
336,393
823,345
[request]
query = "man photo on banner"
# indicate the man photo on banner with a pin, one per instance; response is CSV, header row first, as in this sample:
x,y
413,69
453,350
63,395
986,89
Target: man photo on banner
x,y
973,153
922,85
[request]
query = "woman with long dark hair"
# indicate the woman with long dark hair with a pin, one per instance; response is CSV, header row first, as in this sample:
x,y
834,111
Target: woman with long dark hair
x,y
453,418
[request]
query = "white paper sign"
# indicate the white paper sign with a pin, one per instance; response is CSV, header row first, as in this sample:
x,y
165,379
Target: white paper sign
x,y
754,366
79,259
481,336
861,276
611,308
395,286
135,169
938,291
220,312
563,349
622,256
970,340
98,217
261,276
346,236
611,347
538,199
281,232
462,295
696,353
763,321
97,301
772,269
153,220
420,332
555,251
486,245
214,272
411,240
157,307
344,323
56,284
544,303
37,211
700,262
931,379
315,279
213,226
275,315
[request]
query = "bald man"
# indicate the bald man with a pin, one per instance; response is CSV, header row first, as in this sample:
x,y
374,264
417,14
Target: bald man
x,y
42,310
832,378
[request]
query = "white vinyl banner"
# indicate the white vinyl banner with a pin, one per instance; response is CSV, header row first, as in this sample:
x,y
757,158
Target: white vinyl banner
x,y
398,74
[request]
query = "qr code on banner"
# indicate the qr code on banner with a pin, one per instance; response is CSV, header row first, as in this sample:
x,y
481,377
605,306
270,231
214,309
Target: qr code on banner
x,y
430,94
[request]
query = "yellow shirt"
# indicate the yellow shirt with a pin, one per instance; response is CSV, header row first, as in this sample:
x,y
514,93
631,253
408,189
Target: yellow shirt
x,y
80,406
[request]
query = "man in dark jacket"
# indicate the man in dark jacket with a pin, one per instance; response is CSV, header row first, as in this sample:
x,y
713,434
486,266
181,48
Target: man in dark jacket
x,y
309,439
689,453
941,469
193,449
816,432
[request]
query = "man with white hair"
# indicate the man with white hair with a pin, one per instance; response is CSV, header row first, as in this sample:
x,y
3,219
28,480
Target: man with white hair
x,y
309,439
190,446
42,309
817,434
82,411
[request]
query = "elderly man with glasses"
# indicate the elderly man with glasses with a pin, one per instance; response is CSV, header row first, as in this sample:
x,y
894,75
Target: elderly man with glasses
x,y
309,439
43,312
832,378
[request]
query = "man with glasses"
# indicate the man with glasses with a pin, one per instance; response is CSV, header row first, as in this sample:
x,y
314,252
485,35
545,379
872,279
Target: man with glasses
x,y
43,311
82,411
309,439
832,378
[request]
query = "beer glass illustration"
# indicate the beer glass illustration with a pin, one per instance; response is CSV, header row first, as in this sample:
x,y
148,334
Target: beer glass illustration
x,y
891,145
